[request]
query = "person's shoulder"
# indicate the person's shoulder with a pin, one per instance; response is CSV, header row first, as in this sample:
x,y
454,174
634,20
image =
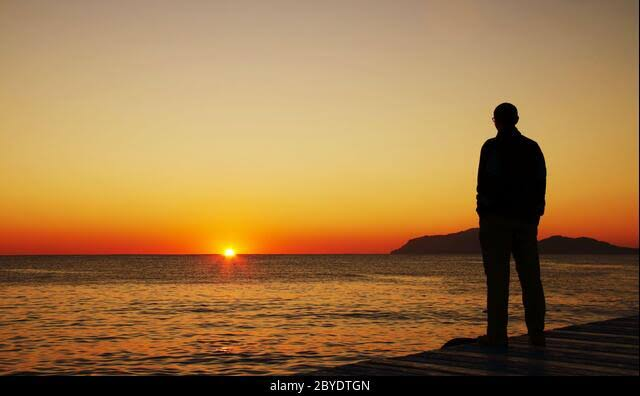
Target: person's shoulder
x,y
489,143
529,142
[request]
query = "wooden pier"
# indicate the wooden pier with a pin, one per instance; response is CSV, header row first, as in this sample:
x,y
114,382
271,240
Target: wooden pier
x,y
609,347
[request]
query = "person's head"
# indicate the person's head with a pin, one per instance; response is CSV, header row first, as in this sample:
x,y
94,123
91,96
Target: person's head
x,y
505,116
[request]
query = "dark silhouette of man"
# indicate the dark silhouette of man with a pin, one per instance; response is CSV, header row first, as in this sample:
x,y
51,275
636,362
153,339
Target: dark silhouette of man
x,y
510,201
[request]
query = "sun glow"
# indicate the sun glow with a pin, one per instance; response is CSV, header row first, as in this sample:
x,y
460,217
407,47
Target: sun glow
x,y
229,253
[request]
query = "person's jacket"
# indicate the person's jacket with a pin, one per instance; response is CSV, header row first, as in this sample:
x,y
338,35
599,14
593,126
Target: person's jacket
x,y
512,177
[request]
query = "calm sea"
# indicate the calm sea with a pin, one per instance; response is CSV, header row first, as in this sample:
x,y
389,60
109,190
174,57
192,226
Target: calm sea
x,y
268,314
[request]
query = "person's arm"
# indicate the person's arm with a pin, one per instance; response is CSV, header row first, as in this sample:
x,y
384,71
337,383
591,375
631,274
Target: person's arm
x,y
481,197
540,181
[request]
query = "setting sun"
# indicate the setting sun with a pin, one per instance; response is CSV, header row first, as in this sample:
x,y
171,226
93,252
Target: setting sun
x,y
229,252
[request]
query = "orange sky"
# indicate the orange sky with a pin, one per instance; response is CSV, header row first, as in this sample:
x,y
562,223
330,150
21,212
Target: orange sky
x,y
304,126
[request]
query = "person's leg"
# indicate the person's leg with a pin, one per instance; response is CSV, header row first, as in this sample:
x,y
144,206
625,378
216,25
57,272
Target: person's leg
x,y
495,240
525,253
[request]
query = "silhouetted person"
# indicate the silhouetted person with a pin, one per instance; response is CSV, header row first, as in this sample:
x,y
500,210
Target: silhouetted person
x,y
510,201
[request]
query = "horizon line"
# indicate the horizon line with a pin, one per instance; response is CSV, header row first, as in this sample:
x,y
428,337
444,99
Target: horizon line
x,y
185,254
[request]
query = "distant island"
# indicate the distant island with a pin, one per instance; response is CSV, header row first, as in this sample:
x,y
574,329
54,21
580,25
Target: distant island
x,y
466,242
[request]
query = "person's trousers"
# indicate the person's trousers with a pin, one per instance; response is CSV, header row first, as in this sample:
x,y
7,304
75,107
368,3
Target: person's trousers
x,y
500,237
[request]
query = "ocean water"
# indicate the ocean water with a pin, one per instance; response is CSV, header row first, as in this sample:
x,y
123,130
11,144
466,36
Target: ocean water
x,y
268,314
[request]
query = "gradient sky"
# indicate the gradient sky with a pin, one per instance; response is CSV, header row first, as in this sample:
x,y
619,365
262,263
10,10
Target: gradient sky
x,y
304,126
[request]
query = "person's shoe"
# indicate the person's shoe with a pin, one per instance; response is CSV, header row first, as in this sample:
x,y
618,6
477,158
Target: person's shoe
x,y
537,340
488,342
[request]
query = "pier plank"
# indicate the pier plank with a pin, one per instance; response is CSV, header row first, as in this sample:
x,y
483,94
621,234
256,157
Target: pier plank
x,y
495,366
435,365
537,361
579,337
613,330
578,353
600,337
